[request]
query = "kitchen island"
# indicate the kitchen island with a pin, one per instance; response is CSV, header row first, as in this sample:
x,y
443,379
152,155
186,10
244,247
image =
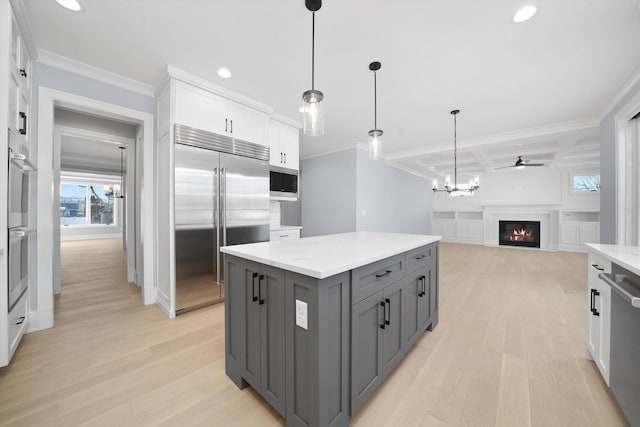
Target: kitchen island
x,y
316,324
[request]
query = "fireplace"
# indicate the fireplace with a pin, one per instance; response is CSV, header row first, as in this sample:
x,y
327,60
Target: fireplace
x,y
519,233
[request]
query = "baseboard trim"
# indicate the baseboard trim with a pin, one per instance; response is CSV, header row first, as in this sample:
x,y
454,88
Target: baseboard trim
x,y
40,319
162,301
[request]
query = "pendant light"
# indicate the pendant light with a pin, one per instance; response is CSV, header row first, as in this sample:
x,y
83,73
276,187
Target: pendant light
x,y
312,107
455,190
375,135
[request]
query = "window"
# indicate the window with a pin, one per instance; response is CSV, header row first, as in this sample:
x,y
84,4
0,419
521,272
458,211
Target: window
x,y
87,204
586,183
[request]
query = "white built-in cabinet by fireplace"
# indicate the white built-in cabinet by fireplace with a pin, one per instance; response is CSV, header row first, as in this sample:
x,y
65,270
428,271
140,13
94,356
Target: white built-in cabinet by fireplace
x,y
559,229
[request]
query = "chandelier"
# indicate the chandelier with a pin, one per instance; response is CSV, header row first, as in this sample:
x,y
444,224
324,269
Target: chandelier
x,y
455,189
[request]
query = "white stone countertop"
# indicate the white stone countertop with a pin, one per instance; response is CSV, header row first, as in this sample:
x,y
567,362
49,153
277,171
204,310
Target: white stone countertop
x,y
324,256
625,256
285,227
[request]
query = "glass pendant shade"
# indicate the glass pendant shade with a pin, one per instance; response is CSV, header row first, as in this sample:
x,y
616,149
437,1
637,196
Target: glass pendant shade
x,y
375,144
313,113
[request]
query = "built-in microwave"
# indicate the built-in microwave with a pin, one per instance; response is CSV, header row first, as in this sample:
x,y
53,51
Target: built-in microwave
x,y
283,183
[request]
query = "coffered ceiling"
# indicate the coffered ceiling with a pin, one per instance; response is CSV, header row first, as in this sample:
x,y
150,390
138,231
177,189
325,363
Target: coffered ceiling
x,y
536,89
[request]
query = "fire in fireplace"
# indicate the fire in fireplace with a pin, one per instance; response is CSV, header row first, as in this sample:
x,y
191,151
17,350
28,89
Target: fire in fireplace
x,y
519,233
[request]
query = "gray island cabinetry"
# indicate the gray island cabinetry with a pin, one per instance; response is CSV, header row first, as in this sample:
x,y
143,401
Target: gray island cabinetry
x,y
315,325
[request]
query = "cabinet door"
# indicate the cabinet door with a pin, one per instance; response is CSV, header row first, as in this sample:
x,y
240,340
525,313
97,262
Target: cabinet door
x,y
275,155
393,334
272,322
24,70
200,109
366,349
412,285
290,146
427,303
14,104
602,303
251,357
248,124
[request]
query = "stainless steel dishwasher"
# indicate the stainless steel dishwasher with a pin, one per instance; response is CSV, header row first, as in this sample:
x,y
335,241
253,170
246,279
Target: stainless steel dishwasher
x,y
625,340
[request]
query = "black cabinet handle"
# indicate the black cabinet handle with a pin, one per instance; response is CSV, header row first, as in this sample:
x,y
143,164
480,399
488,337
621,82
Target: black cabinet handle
x,y
254,298
281,158
597,267
595,310
23,128
20,320
387,321
285,158
23,72
591,301
419,257
383,274
226,125
384,313
231,121
422,280
261,301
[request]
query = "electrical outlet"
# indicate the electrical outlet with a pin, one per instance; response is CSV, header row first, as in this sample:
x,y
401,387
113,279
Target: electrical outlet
x,y
301,314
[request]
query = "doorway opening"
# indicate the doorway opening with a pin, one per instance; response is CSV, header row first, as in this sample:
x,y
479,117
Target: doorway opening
x,y
48,212
95,192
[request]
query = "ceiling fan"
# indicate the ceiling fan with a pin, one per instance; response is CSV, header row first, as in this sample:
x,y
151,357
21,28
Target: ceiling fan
x,y
521,164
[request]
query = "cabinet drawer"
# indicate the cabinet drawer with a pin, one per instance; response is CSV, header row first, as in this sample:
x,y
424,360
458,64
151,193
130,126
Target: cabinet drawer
x,y
17,322
284,234
371,278
599,264
420,257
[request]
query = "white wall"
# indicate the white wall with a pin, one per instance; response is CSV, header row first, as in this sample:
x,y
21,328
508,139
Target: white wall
x,y
389,199
329,186
346,191
527,187
73,119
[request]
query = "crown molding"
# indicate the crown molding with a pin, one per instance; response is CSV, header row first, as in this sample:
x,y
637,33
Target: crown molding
x,y
86,70
553,129
20,13
624,90
202,83
356,145
286,120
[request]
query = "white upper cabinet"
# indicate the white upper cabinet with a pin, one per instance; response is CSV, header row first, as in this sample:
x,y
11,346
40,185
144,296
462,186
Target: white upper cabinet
x,y
284,145
19,85
208,111
248,124
200,109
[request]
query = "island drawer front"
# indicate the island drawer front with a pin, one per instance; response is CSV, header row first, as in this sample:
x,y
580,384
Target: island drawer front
x,y
420,257
371,278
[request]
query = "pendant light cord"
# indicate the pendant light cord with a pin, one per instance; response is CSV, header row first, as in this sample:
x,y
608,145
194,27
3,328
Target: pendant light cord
x,y
375,102
313,49
455,154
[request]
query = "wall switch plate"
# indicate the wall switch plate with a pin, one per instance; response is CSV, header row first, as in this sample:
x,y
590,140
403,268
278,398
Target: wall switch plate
x,y
301,314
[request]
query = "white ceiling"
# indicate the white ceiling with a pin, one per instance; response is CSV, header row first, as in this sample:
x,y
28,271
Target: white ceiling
x,y
544,84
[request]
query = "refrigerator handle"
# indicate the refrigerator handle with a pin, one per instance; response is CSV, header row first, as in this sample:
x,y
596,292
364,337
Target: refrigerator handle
x,y
223,194
216,219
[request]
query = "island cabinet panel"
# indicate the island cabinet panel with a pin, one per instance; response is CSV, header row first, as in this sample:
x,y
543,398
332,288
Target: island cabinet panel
x,y
258,355
377,342
371,278
318,356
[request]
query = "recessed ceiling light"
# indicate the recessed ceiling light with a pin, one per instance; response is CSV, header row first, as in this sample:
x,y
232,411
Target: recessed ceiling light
x,y
525,13
70,4
224,73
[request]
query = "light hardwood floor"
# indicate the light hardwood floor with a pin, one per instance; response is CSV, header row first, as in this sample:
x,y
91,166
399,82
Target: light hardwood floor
x,y
509,351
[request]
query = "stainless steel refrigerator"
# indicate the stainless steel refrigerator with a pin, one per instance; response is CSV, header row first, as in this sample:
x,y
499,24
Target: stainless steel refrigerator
x,y
221,198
